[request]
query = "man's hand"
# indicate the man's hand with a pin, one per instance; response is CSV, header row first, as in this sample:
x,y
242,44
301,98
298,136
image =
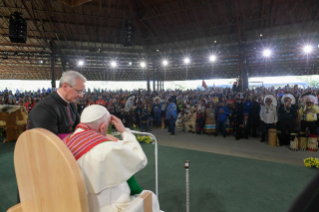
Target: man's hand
x,y
118,124
275,123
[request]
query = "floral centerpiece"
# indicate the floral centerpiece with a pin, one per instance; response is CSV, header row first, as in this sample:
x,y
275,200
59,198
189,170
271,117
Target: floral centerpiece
x,y
311,162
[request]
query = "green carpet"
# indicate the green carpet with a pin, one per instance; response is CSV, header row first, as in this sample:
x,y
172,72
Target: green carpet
x,y
217,182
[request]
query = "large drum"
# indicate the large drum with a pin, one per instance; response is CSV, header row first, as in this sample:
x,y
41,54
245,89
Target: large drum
x,y
312,143
302,141
272,137
294,141
14,120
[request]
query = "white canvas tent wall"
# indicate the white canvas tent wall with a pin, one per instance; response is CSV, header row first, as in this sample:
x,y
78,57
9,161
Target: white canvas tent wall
x,y
276,82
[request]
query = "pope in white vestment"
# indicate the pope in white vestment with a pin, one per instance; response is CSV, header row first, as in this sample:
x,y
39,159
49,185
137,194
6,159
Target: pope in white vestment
x,y
107,165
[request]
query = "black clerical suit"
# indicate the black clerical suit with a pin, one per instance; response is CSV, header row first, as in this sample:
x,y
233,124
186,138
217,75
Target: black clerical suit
x,y
287,122
53,114
254,117
239,113
244,130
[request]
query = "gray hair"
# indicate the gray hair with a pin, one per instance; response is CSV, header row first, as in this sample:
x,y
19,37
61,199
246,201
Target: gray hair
x,y
70,78
96,124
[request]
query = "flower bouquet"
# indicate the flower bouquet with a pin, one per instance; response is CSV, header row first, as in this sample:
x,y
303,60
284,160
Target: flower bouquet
x,y
311,162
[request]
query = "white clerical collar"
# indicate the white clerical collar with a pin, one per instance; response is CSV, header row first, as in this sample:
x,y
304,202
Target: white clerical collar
x,y
61,96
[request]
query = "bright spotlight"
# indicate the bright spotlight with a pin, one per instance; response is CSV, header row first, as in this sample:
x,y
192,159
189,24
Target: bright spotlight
x,y
307,49
130,63
165,62
113,64
143,64
81,63
41,61
186,60
267,53
212,58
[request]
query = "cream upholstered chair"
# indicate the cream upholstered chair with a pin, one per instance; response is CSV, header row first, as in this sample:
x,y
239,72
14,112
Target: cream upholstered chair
x,y
49,178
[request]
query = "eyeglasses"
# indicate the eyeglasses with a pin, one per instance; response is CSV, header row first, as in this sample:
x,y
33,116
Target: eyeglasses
x,y
78,91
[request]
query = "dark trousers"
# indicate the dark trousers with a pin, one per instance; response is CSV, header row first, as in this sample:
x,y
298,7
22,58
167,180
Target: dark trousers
x,y
311,126
221,124
266,127
255,124
286,127
172,125
158,119
242,133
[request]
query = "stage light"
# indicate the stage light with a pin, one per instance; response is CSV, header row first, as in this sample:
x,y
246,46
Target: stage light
x,y
143,64
186,60
165,62
267,53
307,49
212,58
81,63
113,64
261,35
130,63
41,61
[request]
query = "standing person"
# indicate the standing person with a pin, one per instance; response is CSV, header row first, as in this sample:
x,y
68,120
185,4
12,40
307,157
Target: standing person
x,y
157,109
287,112
254,116
171,115
57,112
221,117
239,112
247,105
308,113
200,119
210,126
268,115
29,104
100,101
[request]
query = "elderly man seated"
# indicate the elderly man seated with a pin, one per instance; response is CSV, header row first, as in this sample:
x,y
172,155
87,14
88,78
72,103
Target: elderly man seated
x,y
108,166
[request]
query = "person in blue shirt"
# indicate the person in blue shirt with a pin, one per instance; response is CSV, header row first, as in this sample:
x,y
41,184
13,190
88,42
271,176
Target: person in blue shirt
x,y
247,105
157,109
171,115
221,117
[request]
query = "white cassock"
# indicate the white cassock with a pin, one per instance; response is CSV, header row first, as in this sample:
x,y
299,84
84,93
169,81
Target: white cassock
x,y
106,168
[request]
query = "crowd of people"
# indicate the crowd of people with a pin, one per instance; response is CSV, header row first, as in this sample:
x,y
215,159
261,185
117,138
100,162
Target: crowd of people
x,y
207,111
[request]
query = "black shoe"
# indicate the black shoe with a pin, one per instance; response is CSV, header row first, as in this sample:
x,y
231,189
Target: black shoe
x,y
215,135
262,140
224,136
172,134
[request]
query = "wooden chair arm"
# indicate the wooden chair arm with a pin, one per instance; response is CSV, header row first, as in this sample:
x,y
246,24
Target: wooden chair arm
x,y
16,208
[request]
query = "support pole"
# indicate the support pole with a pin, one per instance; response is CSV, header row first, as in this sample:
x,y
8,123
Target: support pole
x,y
63,65
52,66
186,166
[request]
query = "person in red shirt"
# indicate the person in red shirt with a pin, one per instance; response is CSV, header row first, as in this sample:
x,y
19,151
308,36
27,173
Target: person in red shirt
x,y
90,102
30,104
100,101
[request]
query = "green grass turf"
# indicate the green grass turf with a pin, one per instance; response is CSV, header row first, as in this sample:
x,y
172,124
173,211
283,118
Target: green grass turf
x,y
217,182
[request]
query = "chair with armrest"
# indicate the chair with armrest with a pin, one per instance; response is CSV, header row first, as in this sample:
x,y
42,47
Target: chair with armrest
x,y
49,178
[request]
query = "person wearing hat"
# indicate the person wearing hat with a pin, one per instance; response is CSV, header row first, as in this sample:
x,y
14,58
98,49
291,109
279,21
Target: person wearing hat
x,y
268,115
107,164
308,114
287,113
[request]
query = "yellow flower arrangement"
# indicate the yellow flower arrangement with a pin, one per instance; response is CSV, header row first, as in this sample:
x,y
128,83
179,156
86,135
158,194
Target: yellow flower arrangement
x,y
311,162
